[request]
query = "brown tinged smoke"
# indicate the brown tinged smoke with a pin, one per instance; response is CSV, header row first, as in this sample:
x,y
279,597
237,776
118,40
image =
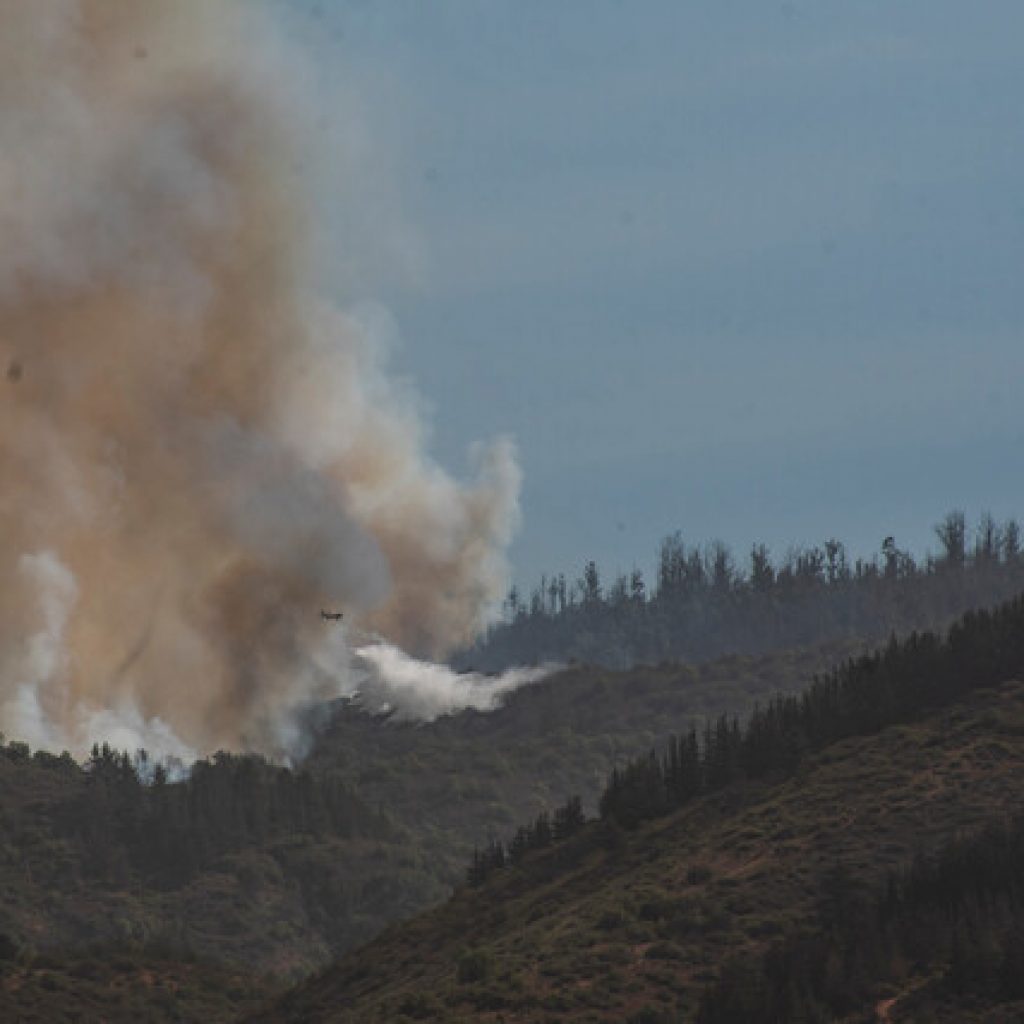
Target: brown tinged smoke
x,y
196,454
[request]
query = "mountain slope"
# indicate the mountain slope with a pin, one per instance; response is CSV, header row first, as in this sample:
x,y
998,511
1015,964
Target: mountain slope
x,y
244,863
456,781
124,987
236,876
615,924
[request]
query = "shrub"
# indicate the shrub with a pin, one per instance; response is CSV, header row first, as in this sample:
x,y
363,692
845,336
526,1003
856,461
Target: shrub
x,y
664,951
648,1015
419,1006
474,966
610,920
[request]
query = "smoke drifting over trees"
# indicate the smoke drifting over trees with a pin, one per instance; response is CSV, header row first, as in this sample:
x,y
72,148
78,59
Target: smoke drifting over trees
x,y
196,453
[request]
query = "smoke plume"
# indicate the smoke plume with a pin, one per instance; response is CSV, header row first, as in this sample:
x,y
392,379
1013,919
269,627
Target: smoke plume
x,y
196,453
410,689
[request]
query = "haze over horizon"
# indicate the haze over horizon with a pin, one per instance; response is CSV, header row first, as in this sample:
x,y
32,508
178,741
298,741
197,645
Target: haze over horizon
x,y
748,272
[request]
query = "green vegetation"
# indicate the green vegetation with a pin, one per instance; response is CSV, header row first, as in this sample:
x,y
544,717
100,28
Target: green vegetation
x,y
719,852
256,867
946,938
566,822
897,684
468,779
242,863
727,791
165,834
703,605
121,986
614,923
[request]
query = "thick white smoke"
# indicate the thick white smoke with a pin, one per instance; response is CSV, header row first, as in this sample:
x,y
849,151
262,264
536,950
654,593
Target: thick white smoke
x,y
411,689
196,452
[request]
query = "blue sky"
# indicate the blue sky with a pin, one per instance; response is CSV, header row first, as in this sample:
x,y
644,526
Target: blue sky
x,y
746,270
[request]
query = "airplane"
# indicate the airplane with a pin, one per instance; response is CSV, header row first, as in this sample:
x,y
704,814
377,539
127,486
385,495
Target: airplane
x,y
331,616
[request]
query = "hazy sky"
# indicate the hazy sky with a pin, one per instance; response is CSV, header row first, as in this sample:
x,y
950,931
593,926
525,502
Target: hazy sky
x,y
748,270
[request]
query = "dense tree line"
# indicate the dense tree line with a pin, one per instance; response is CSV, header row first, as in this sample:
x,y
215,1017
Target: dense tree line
x,y
956,918
704,603
236,859
540,834
896,684
131,821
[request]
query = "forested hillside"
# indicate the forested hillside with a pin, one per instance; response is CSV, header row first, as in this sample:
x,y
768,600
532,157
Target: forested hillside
x,y
637,925
847,796
114,873
898,684
464,778
705,602
941,940
242,862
